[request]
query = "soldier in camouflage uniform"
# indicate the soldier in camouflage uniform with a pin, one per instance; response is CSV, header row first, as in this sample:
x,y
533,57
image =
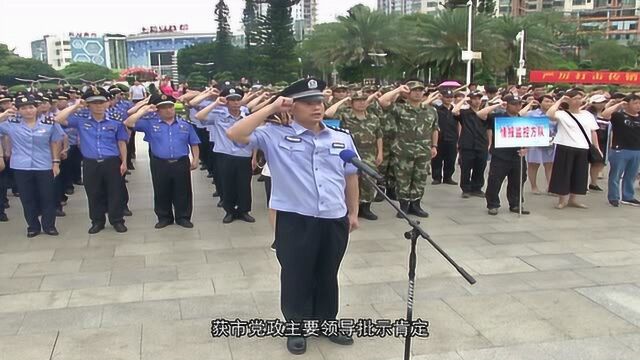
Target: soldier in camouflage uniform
x,y
388,126
367,135
415,144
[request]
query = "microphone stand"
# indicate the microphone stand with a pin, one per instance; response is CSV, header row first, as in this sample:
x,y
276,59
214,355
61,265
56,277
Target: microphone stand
x,y
413,234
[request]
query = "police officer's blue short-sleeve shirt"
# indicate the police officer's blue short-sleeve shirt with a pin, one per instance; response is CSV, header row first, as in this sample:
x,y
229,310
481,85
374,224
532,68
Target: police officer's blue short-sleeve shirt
x,y
168,141
308,175
31,147
98,139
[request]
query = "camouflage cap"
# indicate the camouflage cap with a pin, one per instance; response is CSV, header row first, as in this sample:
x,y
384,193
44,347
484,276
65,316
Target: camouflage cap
x,y
415,85
339,87
359,95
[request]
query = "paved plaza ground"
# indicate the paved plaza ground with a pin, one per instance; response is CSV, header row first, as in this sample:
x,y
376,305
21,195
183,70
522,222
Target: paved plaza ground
x,y
555,285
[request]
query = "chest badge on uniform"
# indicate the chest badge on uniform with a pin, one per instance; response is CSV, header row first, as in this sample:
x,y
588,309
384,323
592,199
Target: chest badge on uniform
x,y
338,145
293,139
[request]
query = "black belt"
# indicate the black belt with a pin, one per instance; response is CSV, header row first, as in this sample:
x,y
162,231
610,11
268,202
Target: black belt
x,y
100,160
171,161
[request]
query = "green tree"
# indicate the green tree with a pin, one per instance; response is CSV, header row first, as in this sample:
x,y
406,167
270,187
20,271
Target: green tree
x,y
200,53
540,48
5,52
277,51
222,55
88,71
14,67
487,7
349,42
610,55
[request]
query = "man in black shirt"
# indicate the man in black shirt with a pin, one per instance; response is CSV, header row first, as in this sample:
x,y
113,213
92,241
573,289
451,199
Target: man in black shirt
x,y
447,142
472,144
505,162
624,155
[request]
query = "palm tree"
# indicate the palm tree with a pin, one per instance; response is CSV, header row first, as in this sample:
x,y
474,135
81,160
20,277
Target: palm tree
x,y
540,48
349,41
440,39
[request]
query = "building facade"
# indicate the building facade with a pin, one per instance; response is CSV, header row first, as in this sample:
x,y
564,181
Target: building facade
x,y
406,6
616,19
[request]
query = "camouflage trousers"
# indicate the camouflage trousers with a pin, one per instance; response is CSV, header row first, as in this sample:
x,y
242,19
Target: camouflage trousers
x,y
367,191
411,177
387,168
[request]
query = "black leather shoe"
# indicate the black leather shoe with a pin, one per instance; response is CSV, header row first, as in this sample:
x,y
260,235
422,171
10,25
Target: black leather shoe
x,y
69,191
96,228
31,234
127,172
163,224
416,209
478,193
516,210
297,345
341,339
436,182
3,218
127,212
450,182
379,197
203,167
366,213
215,194
185,223
52,232
228,219
209,176
404,206
60,213
246,218
119,227
219,203
79,183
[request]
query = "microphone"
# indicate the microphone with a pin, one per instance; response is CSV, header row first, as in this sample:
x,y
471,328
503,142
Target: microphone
x,y
351,157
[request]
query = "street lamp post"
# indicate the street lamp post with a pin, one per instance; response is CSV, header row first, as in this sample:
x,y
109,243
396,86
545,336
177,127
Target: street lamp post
x,y
301,70
521,71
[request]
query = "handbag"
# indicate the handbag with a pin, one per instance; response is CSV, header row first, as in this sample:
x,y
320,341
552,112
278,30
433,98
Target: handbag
x,y
594,156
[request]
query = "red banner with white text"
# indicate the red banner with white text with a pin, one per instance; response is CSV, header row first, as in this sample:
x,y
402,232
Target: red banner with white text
x,y
585,77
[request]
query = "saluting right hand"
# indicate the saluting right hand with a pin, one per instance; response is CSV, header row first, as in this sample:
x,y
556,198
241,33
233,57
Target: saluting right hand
x,y
7,114
213,92
282,105
403,89
148,108
220,101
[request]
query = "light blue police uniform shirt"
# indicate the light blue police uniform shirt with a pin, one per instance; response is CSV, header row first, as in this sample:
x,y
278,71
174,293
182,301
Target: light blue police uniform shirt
x,y
222,120
168,141
195,109
31,147
308,175
98,139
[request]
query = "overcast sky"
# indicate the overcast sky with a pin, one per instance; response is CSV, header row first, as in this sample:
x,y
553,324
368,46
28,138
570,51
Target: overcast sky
x,y
24,21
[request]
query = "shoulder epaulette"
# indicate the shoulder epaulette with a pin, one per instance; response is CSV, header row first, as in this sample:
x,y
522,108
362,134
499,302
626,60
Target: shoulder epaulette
x,y
48,120
346,131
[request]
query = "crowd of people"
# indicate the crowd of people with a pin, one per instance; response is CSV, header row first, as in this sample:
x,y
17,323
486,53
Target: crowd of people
x,y
292,138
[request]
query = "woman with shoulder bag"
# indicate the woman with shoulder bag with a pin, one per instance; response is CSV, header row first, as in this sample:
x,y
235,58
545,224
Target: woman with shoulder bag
x,y
576,147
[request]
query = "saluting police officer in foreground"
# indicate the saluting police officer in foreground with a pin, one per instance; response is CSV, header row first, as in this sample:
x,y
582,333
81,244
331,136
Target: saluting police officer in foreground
x,y
104,148
315,195
36,143
170,138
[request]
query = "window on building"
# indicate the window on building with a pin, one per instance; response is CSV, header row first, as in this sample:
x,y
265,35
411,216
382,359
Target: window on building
x,y
59,63
633,26
578,2
532,6
67,60
57,43
66,42
57,51
432,4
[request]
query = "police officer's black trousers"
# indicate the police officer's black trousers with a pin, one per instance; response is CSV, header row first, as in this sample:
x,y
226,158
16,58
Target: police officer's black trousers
x,y
204,146
310,251
472,166
4,181
172,188
105,189
37,194
498,170
74,165
235,175
213,167
445,160
131,149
